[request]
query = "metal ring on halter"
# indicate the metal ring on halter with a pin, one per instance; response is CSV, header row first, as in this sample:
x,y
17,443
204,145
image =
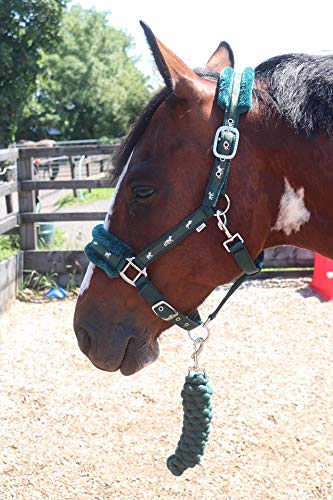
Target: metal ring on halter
x,y
203,339
228,204
205,323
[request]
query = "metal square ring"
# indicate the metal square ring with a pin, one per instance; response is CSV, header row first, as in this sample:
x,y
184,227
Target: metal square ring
x,y
230,240
130,264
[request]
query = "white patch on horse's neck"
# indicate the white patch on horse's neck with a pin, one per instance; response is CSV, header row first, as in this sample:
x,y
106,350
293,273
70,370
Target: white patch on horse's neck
x,y
116,190
90,270
87,278
293,212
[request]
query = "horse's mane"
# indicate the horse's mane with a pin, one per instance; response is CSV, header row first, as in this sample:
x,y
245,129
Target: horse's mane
x,y
298,86
126,147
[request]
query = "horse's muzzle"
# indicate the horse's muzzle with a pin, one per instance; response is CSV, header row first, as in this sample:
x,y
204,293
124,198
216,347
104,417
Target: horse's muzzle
x,y
84,340
127,353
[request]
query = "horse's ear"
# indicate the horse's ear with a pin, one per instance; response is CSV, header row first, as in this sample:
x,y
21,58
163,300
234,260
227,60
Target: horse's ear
x,y
221,58
178,77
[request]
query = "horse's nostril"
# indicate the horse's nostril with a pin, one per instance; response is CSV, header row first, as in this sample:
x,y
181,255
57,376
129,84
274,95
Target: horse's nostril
x,y
84,340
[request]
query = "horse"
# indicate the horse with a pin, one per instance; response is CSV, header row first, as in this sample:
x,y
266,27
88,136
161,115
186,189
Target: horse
x,y
280,188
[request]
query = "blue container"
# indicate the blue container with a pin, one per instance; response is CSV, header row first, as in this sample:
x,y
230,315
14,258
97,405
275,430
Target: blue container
x,y
46,233
56,293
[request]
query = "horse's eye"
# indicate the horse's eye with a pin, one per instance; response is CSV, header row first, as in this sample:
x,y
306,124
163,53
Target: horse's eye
x,y
142,192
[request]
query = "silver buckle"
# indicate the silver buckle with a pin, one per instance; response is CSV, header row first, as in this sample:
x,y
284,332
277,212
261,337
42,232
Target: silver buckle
x,y
161,305
141,272
230,240
226,128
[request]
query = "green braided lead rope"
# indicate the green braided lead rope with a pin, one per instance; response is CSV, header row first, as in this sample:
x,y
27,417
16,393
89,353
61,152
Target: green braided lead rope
x,y
197,408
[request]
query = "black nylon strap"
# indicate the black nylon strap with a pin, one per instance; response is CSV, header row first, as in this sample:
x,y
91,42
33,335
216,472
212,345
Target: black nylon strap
x,y
243,259
174,236
162,308
217,182
258,263
237,283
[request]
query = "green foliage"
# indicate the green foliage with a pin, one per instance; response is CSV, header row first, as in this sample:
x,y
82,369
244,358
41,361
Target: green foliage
x,y
37,281
26,28
57,243
9,245
97,194
90,86
72,287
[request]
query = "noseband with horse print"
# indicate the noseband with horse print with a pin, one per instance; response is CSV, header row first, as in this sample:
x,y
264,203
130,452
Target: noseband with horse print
x,y
118,260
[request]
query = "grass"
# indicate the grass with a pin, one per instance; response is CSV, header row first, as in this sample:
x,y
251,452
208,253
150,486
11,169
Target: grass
x,y
9,245
95,195
40,282
58,241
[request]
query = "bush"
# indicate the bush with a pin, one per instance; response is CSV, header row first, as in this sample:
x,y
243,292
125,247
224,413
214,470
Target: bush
x,y
9,245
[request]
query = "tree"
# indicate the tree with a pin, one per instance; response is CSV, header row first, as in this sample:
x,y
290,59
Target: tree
x,y
90,86
26,28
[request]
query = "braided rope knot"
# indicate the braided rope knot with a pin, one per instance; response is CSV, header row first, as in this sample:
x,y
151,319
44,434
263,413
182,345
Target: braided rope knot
x,y
197,408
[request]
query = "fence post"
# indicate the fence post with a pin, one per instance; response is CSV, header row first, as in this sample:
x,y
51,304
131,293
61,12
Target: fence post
x,y
27,203
9,197
72,167
88,173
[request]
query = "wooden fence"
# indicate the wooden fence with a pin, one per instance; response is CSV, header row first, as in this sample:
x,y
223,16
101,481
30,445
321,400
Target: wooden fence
x,y
74,263
24,221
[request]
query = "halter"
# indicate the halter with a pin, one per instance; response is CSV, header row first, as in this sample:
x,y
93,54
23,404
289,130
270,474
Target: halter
x,y
118,260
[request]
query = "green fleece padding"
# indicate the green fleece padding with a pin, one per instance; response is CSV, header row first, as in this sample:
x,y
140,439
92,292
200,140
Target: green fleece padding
x,y
245,94
225,87
111,244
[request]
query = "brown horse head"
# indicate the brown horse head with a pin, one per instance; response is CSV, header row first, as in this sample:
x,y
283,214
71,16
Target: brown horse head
x,y
164,167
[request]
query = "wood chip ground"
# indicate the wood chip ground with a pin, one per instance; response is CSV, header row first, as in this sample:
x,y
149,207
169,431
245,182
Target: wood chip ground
x,y
69,431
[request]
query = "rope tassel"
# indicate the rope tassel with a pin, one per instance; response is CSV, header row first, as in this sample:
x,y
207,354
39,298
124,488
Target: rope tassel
x,y
197,408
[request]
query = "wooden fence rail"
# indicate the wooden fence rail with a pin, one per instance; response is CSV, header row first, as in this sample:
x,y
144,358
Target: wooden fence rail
x,y
8,188
8,154
67,151
31,217
75,184
8,223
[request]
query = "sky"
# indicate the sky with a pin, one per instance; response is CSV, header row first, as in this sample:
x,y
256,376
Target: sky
x,y
256,30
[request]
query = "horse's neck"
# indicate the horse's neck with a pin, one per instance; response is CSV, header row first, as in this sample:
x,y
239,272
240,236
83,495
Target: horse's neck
x,y
305,211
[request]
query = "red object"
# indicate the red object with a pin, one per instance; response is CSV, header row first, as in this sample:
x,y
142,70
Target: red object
x,y
322,280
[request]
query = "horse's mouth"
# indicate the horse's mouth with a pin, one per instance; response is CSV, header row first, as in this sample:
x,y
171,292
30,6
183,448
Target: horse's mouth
x,y
136,355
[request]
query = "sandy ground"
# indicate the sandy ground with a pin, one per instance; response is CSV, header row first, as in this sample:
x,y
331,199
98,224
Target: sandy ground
x,y
69,431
